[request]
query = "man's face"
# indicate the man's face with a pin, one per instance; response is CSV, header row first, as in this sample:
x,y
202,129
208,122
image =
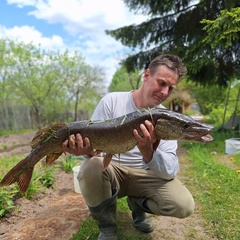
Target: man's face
x,y
160,85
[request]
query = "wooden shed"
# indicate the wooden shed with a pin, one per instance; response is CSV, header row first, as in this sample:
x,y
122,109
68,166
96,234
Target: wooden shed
x,y
179,101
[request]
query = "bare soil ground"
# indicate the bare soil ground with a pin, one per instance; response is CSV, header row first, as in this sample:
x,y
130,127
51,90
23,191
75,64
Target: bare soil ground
x,y
60,213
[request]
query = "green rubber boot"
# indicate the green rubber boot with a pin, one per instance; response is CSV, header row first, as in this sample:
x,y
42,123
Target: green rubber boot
x,y
141,222
105,214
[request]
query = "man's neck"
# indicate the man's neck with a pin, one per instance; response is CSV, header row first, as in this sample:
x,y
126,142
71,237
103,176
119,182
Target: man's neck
x,y
138,98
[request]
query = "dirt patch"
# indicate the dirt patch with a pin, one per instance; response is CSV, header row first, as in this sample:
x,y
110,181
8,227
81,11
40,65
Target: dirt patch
x,y
59,213
228,160
56,214
15,144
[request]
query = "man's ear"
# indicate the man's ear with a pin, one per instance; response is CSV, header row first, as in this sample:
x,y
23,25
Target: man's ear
x,y
146,75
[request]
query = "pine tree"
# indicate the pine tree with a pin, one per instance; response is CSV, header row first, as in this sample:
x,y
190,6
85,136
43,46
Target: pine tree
x,y
176,27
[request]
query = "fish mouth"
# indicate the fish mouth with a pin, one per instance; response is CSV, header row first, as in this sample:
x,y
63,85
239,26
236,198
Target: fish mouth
x,y
198,134
206,138
196,138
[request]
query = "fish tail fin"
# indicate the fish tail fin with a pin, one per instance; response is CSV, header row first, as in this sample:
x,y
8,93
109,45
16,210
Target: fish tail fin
x,y
20,175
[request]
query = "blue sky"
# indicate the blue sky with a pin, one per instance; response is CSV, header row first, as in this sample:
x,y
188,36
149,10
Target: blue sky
x,y
70,24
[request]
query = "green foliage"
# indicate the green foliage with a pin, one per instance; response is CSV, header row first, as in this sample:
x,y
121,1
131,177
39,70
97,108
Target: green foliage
x,y
223,30
212,100
209,98
217,108
216,115
7,163
44,177
4,132
124,81
175,27
34,187
45,86
6,201
47,176
190,112
68,163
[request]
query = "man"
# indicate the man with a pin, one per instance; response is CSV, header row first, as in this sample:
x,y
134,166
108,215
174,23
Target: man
x,y
145,174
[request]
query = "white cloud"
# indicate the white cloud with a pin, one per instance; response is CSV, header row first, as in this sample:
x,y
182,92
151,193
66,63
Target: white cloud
x,y
90,13
89,16
85,21
22,3
29,34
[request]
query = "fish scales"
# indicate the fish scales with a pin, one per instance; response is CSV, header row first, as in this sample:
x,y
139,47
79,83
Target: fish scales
x,y
110,136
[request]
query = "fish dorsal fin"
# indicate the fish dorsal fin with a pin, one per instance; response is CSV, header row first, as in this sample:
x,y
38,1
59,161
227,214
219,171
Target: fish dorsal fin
x,y
52,157
45,134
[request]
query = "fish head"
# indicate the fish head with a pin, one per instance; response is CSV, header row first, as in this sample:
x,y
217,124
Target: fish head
x,y
197,134
176,126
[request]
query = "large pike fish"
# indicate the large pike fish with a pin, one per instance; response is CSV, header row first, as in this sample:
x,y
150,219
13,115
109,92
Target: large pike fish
x,y
111,136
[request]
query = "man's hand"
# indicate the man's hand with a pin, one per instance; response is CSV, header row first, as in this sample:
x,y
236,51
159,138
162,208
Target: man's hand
x,y
145,143
76,145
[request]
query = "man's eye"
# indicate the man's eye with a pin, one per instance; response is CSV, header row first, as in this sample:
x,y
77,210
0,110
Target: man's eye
x,y
162,84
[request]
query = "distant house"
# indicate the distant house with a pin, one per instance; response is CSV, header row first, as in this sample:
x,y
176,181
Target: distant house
x,y
179,101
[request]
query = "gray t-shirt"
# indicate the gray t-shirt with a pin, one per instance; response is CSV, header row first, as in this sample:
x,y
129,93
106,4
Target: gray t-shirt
x,y
164,161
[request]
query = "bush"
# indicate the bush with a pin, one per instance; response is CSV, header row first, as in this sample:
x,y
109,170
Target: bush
x,y
6,202
69,163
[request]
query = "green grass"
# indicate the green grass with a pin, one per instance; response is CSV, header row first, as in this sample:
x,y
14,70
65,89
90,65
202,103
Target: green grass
x,y
6,201
43,177
216,187
126,231
69,162
4,133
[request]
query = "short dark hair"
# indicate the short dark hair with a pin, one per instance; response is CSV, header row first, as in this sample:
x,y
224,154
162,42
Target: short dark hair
x,y
171,61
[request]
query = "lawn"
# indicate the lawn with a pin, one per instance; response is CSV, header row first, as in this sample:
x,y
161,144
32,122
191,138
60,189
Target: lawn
x,y
215,180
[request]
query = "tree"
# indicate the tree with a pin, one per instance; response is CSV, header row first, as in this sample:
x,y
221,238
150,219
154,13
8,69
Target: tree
x,y
10,101
83,83
124,81
47,84
208,99
224,31
34,77
174,26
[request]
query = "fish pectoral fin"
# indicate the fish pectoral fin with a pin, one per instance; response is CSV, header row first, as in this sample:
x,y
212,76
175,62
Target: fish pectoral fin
x,y
20,175
52,157
106,160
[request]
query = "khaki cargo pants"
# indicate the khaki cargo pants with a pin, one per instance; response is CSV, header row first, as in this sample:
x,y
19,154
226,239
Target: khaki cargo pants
x,y
165,197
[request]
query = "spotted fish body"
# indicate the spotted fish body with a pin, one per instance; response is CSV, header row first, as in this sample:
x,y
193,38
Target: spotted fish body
x,y
111,136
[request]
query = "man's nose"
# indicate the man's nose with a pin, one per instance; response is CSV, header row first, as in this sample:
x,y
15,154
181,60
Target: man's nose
x,y
165,91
